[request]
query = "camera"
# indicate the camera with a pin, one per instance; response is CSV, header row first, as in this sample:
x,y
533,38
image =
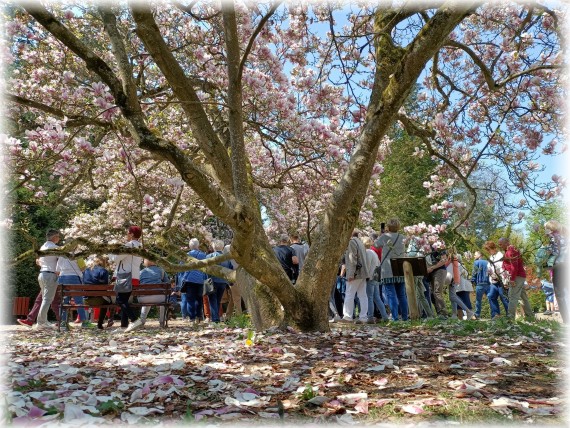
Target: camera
x,y
435,256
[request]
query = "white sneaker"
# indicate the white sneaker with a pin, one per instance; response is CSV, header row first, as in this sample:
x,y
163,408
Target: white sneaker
x,y
134,325
346,320
42,326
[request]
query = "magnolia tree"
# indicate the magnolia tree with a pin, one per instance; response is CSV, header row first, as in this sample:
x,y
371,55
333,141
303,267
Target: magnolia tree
x,y
271,117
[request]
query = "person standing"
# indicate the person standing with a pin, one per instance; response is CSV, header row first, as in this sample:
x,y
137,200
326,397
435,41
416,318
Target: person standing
x,y
286,256
193,286
235,302
300,250
496,290
556,233
356,265
392,244
372,285
464,288
220,284
437,272
480,278
47,278
513,266
125,263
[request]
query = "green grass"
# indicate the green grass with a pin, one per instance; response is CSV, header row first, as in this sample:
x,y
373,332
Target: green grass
x,y
454,409
239,321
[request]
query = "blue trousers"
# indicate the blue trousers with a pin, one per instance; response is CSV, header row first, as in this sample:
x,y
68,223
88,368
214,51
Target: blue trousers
x,y
191,304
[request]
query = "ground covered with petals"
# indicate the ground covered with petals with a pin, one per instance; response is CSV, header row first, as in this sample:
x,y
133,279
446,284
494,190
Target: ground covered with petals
x,y
464,372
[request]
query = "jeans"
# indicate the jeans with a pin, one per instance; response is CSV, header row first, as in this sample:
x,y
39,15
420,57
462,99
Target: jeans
x,y
48,286
480,290
465,298
456,301
352,288
72,279
495,292
373,293
397,300
192,300
516,292
215,301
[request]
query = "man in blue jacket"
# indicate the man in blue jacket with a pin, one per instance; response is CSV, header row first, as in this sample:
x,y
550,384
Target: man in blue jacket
x,y
480,279
193,286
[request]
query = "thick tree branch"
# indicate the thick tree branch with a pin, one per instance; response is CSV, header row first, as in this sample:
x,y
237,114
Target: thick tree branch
x,y
73,119
202,130
202,183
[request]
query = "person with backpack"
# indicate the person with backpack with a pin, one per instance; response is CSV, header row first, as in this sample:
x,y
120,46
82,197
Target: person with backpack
x,y
497,288
392,244
480,279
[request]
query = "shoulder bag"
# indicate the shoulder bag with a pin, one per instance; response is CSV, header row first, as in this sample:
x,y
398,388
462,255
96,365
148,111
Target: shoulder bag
x,y
378,270
208,287
124,281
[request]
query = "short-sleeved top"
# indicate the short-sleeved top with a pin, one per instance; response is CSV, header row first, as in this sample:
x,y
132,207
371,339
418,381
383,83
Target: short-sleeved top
x,y
48,263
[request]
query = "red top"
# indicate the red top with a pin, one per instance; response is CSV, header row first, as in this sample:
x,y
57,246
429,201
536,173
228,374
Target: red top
x,y
378,251
512,263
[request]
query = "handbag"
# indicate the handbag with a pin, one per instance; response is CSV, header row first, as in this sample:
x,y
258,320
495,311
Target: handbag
x,y
124,281
208,287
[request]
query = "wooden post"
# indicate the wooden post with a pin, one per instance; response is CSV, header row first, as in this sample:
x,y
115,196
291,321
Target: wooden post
x,y
411,291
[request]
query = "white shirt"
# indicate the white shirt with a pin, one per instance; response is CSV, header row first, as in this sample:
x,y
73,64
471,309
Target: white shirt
x,y
127,262
373,262
48,263
496,266
68,267
464,283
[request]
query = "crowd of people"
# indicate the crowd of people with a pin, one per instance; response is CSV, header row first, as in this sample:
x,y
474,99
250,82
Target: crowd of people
x,y
187,287
366,290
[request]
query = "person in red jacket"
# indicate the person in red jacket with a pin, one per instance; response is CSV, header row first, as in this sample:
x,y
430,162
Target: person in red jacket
x,y
513,265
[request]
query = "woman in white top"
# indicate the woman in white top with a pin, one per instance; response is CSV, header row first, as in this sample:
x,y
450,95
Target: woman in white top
x,y
129,263
373,286
454,297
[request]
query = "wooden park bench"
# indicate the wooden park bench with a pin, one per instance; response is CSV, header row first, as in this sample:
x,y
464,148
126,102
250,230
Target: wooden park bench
x,y
93,290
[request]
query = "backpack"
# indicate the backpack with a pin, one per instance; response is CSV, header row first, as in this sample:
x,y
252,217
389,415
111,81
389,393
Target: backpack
x,y
544,258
